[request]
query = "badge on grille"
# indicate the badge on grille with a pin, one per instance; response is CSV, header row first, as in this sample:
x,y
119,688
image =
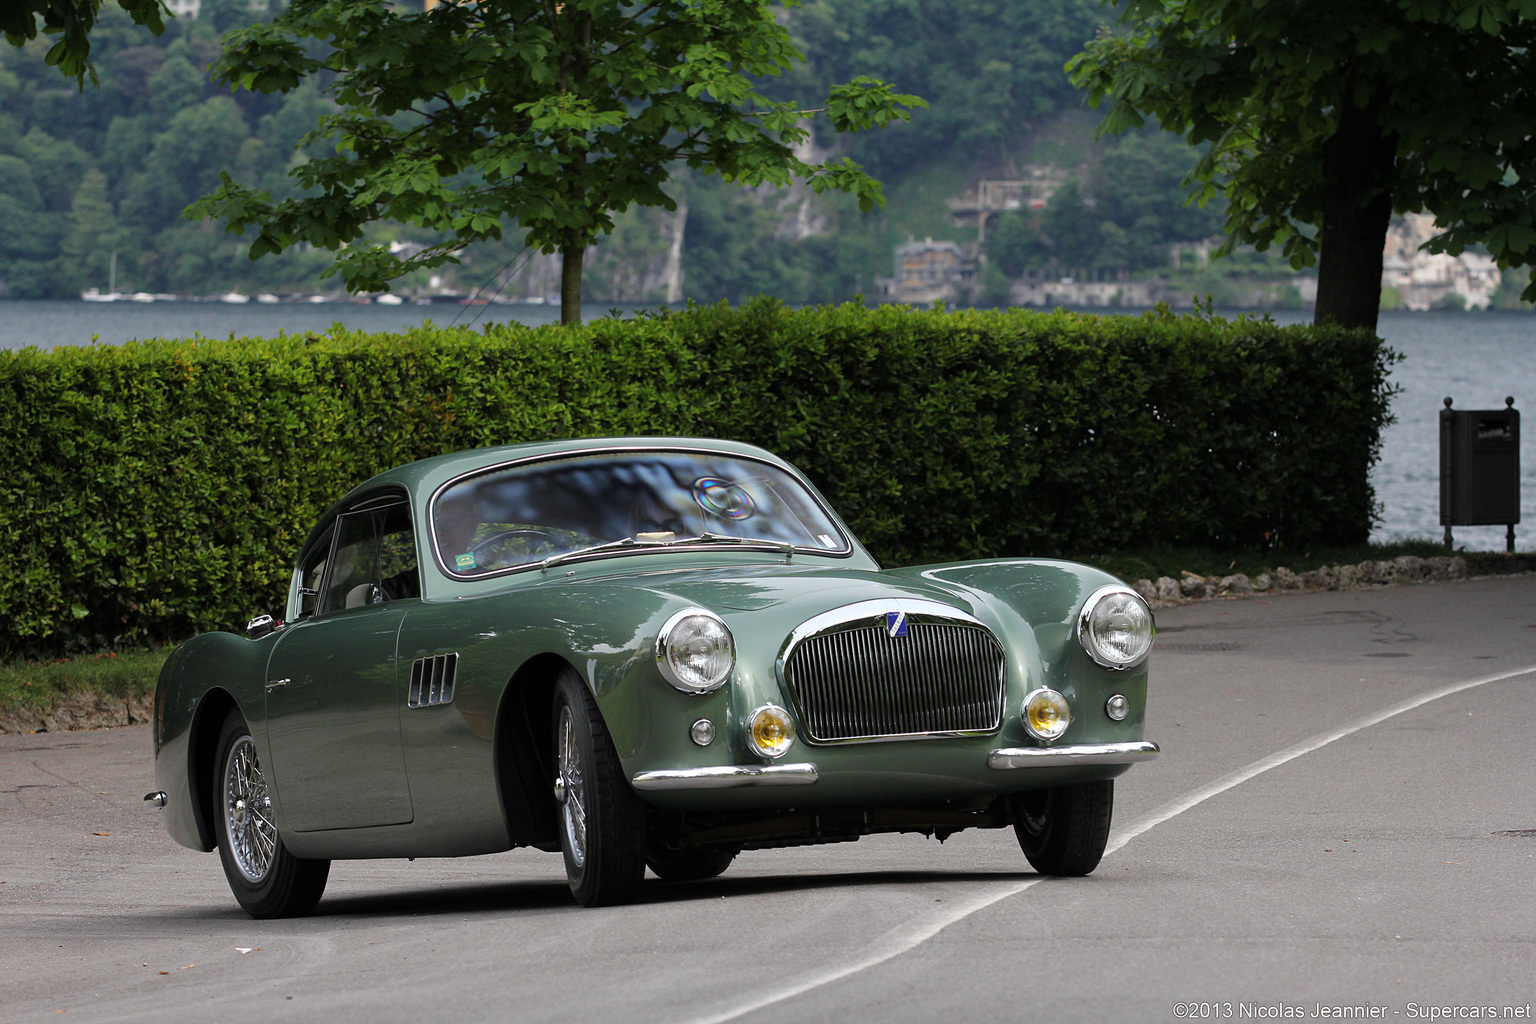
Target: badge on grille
x,y
895,624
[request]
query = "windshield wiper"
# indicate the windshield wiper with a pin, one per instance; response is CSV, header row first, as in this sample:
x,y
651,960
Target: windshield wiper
x,y
565,556
715,538
704,538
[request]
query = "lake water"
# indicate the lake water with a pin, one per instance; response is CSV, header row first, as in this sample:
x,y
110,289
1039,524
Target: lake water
x,y
1475,358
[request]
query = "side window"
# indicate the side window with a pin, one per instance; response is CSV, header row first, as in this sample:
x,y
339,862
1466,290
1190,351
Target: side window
x,y
354,575
311,573
398,573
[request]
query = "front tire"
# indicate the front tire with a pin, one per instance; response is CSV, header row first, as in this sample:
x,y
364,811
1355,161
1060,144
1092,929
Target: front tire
x,y
266,879
691,865
1063,831
602,821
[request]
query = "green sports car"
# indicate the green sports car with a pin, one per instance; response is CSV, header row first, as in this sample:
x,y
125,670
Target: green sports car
x,y
640,652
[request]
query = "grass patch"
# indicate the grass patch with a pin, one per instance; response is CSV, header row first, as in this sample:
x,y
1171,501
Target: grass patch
x,y
37,685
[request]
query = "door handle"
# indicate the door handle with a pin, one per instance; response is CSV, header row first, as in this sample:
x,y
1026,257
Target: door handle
x,y
277,684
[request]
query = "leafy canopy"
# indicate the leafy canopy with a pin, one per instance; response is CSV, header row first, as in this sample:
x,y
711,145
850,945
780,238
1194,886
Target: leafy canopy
x,y
71,21
1451,82
552,115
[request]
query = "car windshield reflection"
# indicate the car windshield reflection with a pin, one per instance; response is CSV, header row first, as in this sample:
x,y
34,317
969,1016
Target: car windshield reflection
x,y
564,509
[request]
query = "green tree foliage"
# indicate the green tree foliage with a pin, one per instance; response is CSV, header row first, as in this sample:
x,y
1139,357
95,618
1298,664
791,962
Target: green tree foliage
x,y
156,131
1332,116
1122,217
469,117
71,21
991,69
92,238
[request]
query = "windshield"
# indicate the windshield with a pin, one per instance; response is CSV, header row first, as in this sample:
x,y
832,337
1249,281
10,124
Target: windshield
x,y
524,514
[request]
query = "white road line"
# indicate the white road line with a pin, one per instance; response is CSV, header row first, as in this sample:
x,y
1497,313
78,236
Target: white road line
x,y
909,936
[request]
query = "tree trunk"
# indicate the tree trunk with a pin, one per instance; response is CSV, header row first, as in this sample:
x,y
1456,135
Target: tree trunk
x,y
570,283
1358,165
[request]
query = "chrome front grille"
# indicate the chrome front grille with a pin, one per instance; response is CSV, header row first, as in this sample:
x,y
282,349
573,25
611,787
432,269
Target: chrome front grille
x,y
864,683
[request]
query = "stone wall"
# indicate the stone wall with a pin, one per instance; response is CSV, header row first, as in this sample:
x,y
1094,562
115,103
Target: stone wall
x,y
1166,590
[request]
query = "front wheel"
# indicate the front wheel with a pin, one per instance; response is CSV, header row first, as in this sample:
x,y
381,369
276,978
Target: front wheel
x,y
1063,831
602,821
266,879
689,865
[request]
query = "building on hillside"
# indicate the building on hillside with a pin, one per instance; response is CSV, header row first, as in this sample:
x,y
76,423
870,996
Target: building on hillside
x,y
928,272
989,197
1427,280
188,9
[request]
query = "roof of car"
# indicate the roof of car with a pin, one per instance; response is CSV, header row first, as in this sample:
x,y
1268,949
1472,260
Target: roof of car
x,y
426,475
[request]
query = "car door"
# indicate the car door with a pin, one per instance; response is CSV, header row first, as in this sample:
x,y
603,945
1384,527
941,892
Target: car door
x,y
333,688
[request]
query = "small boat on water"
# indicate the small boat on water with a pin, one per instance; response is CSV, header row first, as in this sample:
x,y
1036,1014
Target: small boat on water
x,y
141,297
96,295
234,298
266,298
389,299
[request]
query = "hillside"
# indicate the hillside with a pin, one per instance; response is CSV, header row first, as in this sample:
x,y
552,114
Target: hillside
x,y
86,174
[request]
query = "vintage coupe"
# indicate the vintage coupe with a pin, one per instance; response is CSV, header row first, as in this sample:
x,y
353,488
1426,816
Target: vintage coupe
x,y
640,652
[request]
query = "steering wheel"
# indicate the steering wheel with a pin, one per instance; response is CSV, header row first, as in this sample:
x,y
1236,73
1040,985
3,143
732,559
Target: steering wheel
x,y
504,534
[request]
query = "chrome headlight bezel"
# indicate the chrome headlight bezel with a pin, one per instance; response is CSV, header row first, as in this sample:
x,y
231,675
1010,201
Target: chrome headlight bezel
x,y
1086,631
671,673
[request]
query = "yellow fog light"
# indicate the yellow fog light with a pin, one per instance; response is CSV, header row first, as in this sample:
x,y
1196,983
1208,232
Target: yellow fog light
x,y
1046,714
770,731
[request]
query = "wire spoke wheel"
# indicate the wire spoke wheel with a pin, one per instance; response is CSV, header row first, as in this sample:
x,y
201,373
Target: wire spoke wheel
x,y
266,879
247,812
573,813
602,821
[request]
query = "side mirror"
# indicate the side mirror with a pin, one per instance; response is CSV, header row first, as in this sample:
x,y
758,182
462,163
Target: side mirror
x,y
259,627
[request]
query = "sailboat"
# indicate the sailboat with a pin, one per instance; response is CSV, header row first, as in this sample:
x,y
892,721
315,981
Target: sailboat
x,y
95,295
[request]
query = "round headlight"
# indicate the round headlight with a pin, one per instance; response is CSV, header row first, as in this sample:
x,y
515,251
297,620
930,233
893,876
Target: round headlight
x,y
770,730
695,651
1046,714
1116,627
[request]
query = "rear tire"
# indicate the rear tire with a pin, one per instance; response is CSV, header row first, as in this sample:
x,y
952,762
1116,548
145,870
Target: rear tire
x,y
266,879
690,865
601,820
1063,831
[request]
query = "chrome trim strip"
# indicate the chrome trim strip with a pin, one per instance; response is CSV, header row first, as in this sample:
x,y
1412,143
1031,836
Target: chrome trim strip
x,y
1082,627
1082,753
727,777
872,613
846,551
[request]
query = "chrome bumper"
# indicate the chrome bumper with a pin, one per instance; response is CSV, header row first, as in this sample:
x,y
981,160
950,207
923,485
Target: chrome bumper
x,y
728,776
1085,753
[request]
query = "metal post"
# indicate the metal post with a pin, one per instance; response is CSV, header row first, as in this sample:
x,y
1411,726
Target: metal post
x,y
1509,539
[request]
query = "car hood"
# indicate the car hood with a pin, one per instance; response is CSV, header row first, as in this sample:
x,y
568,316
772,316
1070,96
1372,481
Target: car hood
x,y
793,589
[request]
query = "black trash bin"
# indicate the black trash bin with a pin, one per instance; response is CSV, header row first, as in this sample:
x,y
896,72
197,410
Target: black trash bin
x,y
1480,468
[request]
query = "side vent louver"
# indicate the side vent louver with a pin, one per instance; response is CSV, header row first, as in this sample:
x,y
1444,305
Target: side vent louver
x,y
432,680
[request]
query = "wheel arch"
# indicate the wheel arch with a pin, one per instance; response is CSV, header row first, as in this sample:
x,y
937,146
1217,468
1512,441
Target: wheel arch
x,y
524,752
202,751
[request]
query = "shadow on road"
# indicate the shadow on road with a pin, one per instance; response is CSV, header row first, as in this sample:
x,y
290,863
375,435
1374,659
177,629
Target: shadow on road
x,y
526,896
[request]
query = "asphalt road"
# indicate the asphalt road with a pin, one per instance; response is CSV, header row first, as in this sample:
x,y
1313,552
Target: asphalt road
x,y
1333,822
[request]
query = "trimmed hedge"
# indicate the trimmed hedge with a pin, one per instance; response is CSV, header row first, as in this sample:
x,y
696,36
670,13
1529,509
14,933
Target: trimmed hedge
x,y
154,489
